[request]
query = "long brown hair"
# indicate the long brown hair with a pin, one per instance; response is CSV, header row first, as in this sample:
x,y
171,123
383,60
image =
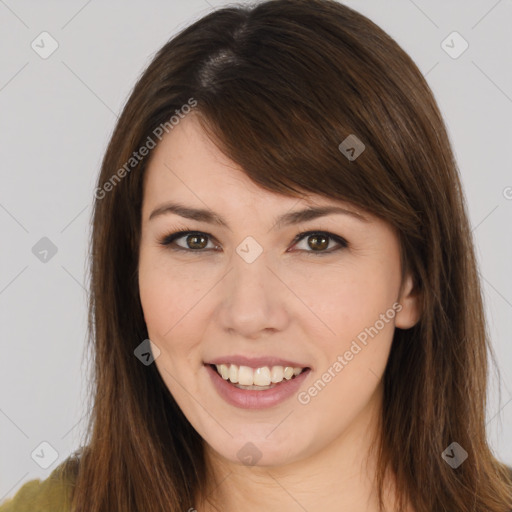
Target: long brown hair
x,y
278,86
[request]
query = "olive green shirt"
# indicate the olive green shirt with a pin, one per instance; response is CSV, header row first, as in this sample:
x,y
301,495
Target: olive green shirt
x,y
50,495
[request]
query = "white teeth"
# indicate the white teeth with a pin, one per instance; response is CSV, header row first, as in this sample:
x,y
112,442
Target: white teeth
x,y
276,373
254,388
233,373
262,376
288,372
224,371
245,376
259,377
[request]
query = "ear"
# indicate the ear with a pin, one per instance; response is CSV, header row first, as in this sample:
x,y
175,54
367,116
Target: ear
x,y
410,300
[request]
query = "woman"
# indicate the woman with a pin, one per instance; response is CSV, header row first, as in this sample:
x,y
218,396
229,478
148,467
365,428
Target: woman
x,y
279,211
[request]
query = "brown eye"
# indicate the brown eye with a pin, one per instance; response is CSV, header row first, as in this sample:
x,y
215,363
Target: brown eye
x,y
194,241
317,242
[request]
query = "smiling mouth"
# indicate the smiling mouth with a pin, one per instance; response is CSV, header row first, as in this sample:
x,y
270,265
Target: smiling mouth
x,y
245,377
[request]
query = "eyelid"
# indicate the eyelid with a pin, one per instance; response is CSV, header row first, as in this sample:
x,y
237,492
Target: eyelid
x,y
169,239
175,234
331,236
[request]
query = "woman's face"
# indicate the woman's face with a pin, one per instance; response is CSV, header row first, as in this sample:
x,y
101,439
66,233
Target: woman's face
x,y
243,292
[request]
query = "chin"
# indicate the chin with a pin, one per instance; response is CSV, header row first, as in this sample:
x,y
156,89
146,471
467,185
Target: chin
x,y
256,450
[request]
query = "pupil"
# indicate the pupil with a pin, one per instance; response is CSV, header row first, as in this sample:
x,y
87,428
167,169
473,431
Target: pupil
x,y
194,242
322,245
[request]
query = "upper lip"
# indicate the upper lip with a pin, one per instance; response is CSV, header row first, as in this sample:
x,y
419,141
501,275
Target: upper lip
x,y
256,362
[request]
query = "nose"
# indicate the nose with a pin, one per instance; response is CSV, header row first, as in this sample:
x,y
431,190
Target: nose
x,y
254,300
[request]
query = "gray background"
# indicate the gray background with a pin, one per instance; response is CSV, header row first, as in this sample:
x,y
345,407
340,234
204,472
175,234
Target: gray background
x,y
56,117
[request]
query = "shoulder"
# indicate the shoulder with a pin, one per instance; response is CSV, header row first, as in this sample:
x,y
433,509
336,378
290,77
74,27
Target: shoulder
x,y
50,495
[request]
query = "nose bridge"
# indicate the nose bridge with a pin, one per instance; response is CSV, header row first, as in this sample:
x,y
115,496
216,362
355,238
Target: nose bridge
x,y
253,299
250,279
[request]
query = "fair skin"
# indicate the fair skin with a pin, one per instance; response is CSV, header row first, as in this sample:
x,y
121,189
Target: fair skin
x,y
290,302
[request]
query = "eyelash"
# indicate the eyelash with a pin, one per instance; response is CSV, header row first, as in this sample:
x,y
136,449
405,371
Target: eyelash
x,y
167,240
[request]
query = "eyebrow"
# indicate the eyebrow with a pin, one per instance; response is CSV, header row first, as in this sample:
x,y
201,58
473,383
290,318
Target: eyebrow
x,y
287,219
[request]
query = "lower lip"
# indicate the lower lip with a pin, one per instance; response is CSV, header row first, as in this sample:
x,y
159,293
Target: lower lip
x,y
254,399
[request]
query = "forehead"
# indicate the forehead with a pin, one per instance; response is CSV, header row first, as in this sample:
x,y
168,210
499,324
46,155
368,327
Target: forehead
x,y
186,160
187,166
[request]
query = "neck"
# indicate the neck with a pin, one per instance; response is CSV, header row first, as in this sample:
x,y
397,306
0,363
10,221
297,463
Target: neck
x,y
340,476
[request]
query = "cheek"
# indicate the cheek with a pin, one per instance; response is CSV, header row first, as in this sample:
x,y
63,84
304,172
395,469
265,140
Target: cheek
x,y
157,300
358,310
163,294
351,297
169,297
